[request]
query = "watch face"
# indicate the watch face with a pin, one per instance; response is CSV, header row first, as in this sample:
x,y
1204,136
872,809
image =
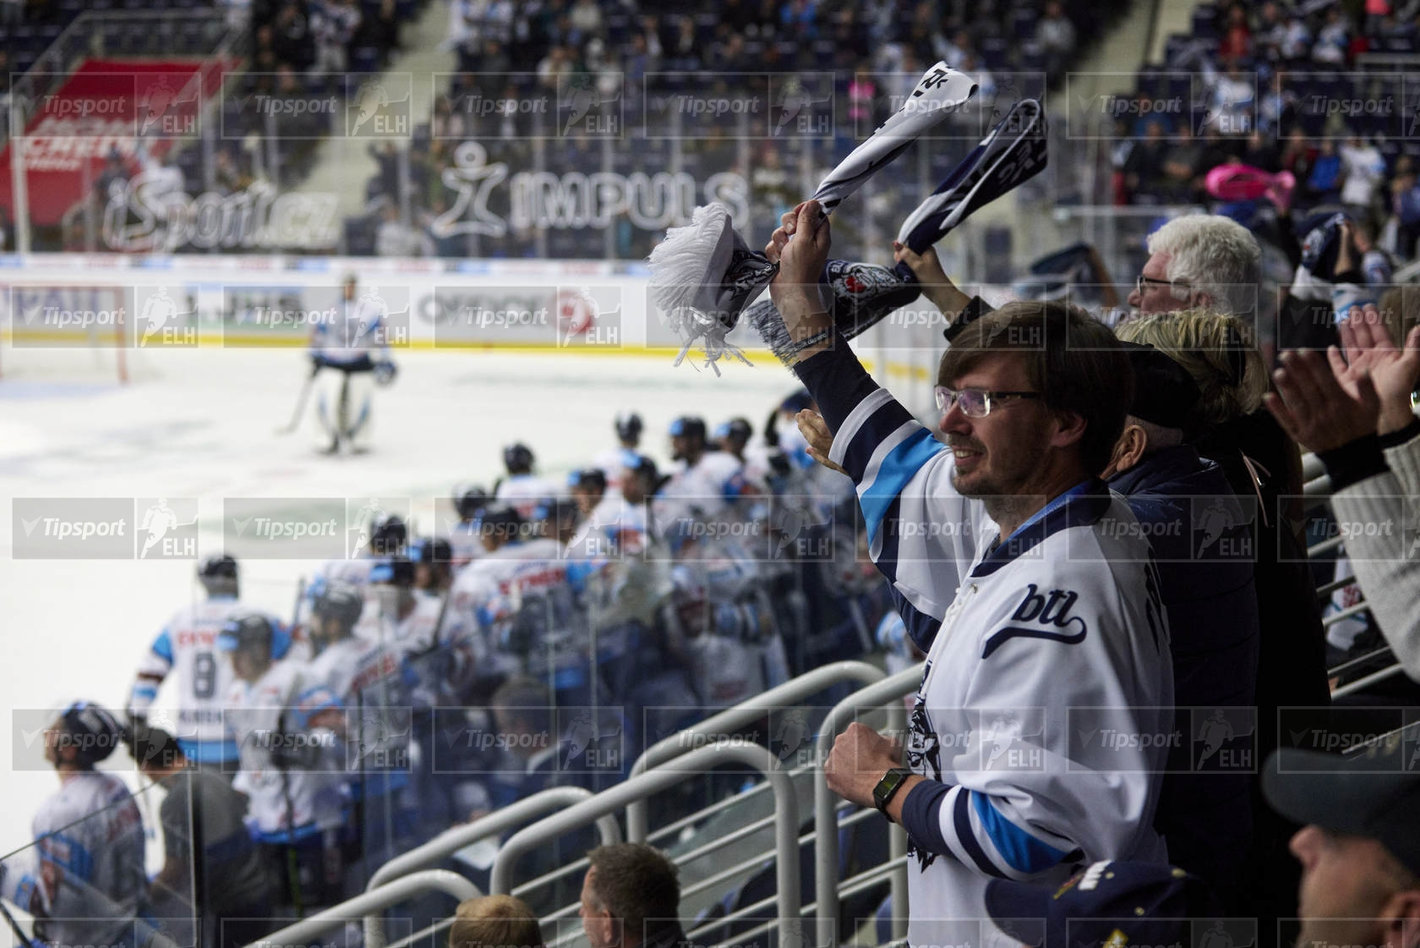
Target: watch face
x,y
883,792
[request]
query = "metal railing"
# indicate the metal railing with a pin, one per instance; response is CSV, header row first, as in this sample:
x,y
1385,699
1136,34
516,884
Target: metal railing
x,y
741,715
452,840
392,893
786,825
888,692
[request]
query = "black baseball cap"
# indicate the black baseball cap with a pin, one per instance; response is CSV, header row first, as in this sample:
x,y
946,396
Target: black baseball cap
x,y
1107,903
1370,794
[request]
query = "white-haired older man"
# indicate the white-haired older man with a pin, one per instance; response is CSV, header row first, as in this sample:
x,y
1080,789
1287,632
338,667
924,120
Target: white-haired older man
x,y
1200,260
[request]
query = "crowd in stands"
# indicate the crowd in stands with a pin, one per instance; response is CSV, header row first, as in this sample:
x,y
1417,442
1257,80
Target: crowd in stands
x,y
642,59
1309,91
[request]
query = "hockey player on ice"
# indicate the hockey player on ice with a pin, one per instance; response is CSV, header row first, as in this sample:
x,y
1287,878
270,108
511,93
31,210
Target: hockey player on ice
x,y
292,758
349,350
188,644
522,488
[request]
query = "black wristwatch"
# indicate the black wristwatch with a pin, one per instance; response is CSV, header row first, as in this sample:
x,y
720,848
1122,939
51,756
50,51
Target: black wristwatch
x,y
888,786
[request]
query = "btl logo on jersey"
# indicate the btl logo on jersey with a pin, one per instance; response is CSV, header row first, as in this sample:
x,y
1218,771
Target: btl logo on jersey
x,y
1042,615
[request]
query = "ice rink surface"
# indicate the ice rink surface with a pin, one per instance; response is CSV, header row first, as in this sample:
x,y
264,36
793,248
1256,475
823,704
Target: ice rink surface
x,y
202,423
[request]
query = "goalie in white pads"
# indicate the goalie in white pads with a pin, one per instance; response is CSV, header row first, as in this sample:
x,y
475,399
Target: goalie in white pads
x,y
350,355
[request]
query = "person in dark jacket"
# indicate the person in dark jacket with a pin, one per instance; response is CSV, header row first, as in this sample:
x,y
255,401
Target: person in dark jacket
x,y
1263,466
213,872
1202,547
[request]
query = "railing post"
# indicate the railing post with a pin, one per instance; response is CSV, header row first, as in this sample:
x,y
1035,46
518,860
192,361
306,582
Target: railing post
x,y
825,816
741,714
786,823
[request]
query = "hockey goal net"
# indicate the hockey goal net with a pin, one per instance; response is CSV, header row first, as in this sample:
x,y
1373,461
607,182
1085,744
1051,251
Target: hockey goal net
x,y
74,332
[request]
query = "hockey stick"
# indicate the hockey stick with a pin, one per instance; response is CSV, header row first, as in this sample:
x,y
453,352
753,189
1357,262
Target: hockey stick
x,y
301,401
703,275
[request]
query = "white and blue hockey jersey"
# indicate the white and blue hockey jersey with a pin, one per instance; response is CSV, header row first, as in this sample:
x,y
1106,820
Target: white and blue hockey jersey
x,y
291,771
188,645
89,839
1044,716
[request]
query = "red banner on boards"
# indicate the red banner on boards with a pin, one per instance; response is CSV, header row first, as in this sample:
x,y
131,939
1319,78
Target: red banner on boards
x,y
105,107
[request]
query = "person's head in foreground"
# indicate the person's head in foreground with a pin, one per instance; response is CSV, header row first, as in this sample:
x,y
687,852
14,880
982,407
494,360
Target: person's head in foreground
x,y
1105,904
80,736
1360,843
495,921
1165,398
1033,398
1203,261
630,897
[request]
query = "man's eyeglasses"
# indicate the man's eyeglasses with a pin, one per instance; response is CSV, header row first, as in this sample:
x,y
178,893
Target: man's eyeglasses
x,y
1141,282
974,402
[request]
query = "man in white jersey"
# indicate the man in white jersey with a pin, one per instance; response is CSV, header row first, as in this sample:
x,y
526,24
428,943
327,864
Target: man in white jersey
x,y
1055,643
349,349
371,682
523,489
88,839
188,645
292,759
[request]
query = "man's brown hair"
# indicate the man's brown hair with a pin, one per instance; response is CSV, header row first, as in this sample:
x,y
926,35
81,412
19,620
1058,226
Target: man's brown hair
x,y
1071,358
638,885
495,921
